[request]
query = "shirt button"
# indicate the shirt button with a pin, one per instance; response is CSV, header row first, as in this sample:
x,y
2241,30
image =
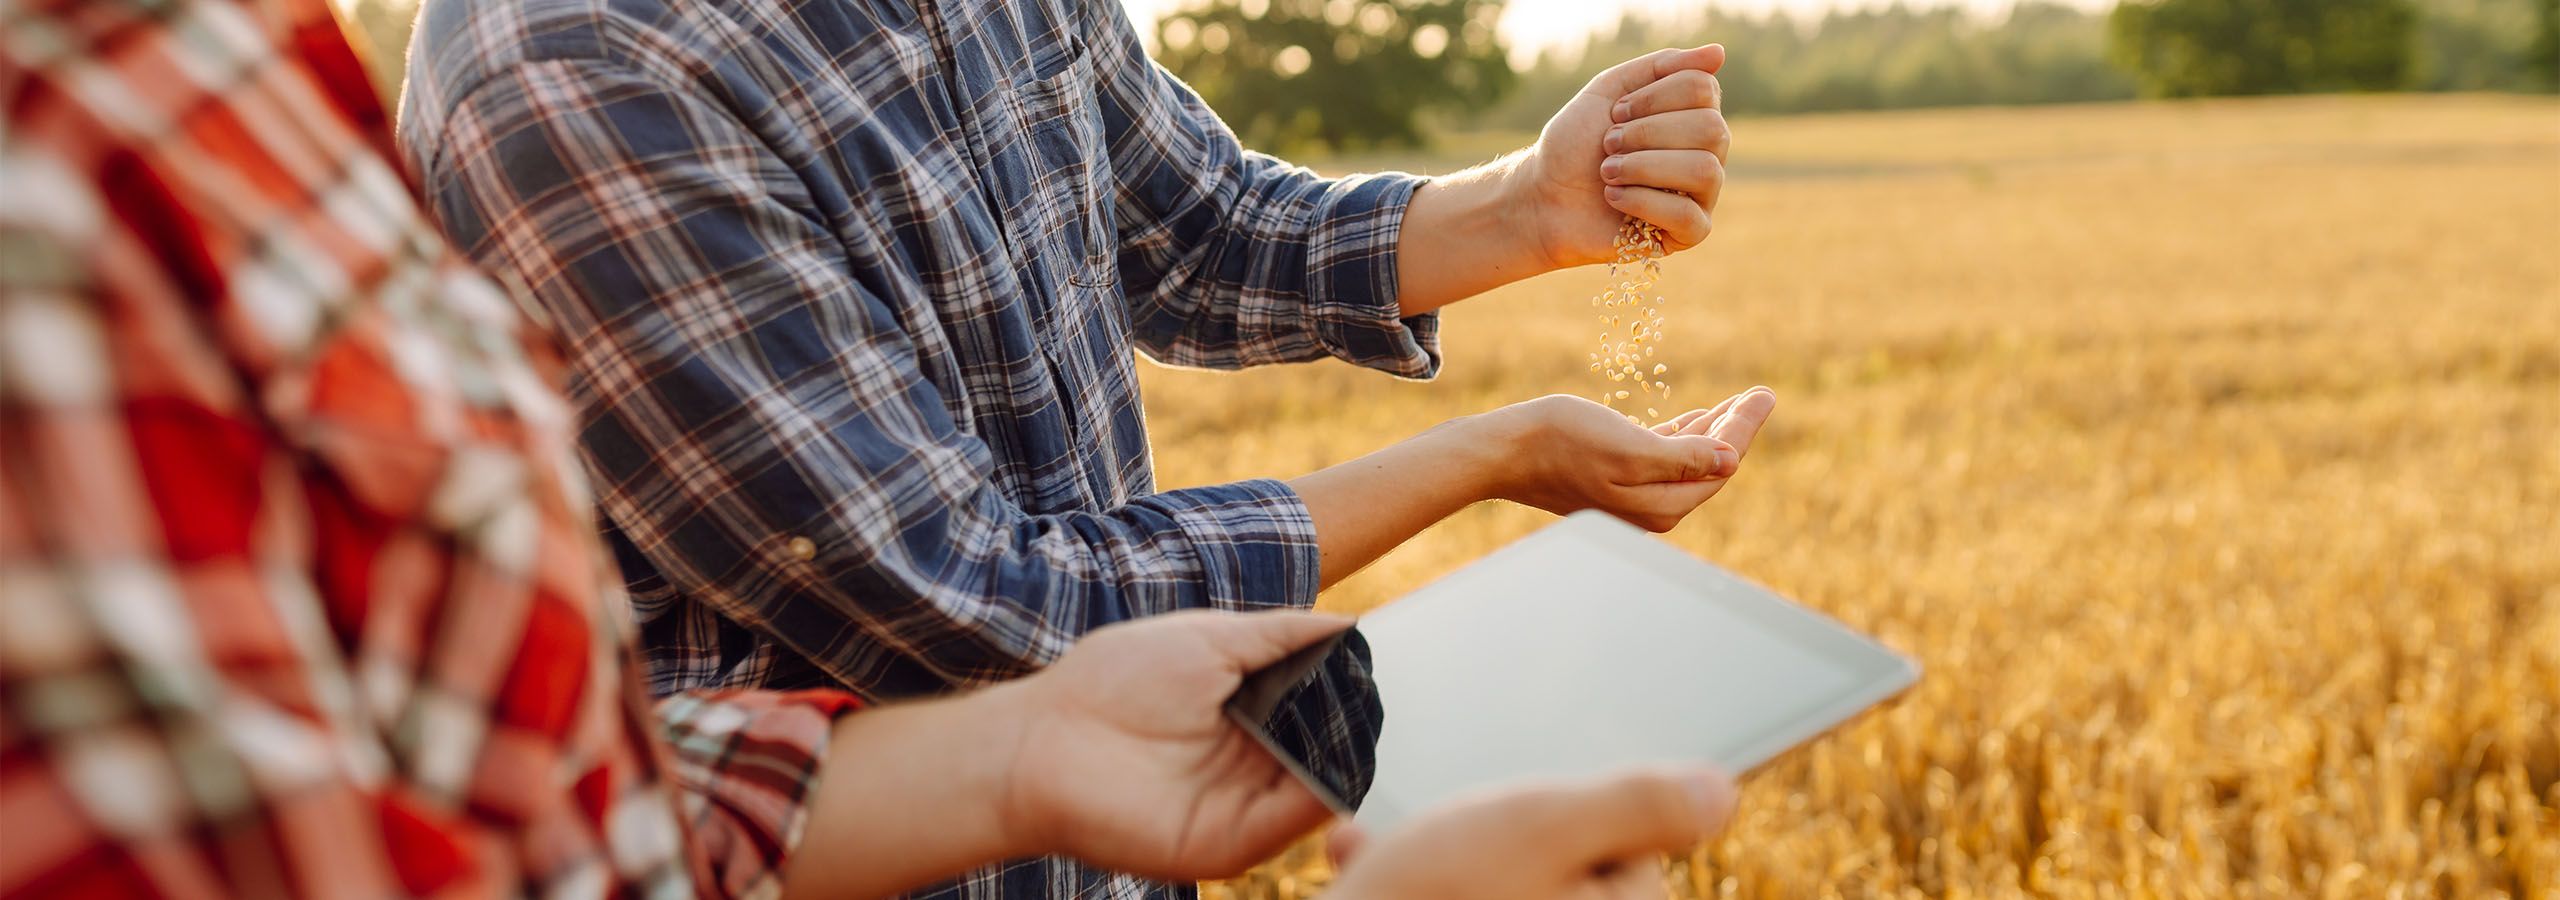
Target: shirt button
x,y
802,549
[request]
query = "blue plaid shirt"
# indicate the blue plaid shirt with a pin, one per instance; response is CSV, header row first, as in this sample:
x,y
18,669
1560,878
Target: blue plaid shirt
x,y
850,290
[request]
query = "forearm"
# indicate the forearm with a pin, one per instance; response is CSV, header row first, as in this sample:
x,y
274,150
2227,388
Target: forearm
x,y
1461,237
1365,507
911,794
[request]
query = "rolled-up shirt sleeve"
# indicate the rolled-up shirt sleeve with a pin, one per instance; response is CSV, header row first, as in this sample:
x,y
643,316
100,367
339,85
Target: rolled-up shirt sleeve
x,y
745,765
1232,258
759,423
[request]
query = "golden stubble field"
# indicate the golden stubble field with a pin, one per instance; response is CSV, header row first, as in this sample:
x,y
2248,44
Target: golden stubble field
x,y
2207,455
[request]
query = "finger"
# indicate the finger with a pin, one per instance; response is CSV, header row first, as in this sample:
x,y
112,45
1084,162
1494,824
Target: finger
x,y
1684,421
1345,843
1708,59
1705,424
1689,89
1688,129
1682,220
1629,815
1741,424
1692,457
1254,640
1623,78
1697,173
1273,820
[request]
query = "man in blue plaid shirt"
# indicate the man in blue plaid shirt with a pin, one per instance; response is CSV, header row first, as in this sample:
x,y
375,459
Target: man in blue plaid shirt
x,y
850,289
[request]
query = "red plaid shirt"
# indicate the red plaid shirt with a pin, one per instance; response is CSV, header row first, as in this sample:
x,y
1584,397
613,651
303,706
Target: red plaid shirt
x,y
298,590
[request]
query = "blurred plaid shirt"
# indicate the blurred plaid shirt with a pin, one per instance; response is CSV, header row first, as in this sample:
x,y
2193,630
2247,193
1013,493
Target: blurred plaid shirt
x,y
299,594
851,289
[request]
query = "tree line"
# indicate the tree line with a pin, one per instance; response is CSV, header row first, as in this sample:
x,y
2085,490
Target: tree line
x,y
1891,58
1900,56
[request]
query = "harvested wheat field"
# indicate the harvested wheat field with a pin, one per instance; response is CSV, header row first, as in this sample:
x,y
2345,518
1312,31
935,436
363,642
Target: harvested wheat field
x,y
2208,456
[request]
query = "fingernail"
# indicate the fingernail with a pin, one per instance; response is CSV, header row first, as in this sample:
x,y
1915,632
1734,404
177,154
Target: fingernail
x,y
1622,111
1609,142
1609,168
1727,461
1615,193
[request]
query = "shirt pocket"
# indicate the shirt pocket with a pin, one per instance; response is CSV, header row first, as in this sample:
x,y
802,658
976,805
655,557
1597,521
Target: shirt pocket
x,y
1066,211
1061,222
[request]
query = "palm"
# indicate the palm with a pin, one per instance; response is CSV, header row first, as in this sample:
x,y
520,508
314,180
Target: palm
x,y
1167,806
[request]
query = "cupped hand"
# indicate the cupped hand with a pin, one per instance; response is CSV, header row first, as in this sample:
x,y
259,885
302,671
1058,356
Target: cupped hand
x,y
1569,454
1127,762
1588,839
1648,139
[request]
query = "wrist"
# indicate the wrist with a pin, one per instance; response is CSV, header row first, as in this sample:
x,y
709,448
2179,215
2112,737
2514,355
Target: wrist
x,y
911,793
1483,451
1516,178
1020,789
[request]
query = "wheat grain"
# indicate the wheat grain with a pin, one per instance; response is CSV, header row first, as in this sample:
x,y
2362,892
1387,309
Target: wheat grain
x,y
1635,276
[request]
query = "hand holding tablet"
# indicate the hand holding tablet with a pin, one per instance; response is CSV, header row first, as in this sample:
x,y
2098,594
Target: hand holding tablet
x,y
1585,649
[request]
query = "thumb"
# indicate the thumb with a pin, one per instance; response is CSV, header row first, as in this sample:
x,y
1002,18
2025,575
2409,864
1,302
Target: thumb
x,y
1623,78
1633,814
1688,457
1255,640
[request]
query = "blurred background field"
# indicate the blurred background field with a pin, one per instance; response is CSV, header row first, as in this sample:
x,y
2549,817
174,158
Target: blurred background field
x,y
2207,454
2206,451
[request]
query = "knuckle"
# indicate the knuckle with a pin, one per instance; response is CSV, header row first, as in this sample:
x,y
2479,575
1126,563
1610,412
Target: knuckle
x,y
1702,89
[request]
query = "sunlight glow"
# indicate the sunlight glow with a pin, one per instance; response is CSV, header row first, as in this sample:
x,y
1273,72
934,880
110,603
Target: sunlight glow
x,y
1529,26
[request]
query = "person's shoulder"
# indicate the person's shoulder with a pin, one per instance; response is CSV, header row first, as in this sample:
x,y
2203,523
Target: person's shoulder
x,y
459,42
461,45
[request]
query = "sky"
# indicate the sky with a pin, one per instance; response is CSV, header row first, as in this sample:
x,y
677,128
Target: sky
x,y
1531,25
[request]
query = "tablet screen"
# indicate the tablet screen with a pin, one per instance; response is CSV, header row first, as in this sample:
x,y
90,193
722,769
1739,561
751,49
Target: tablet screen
x,y
1591,646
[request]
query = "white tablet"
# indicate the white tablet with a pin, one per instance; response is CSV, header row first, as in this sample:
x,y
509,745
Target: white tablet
x,y
1584,648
